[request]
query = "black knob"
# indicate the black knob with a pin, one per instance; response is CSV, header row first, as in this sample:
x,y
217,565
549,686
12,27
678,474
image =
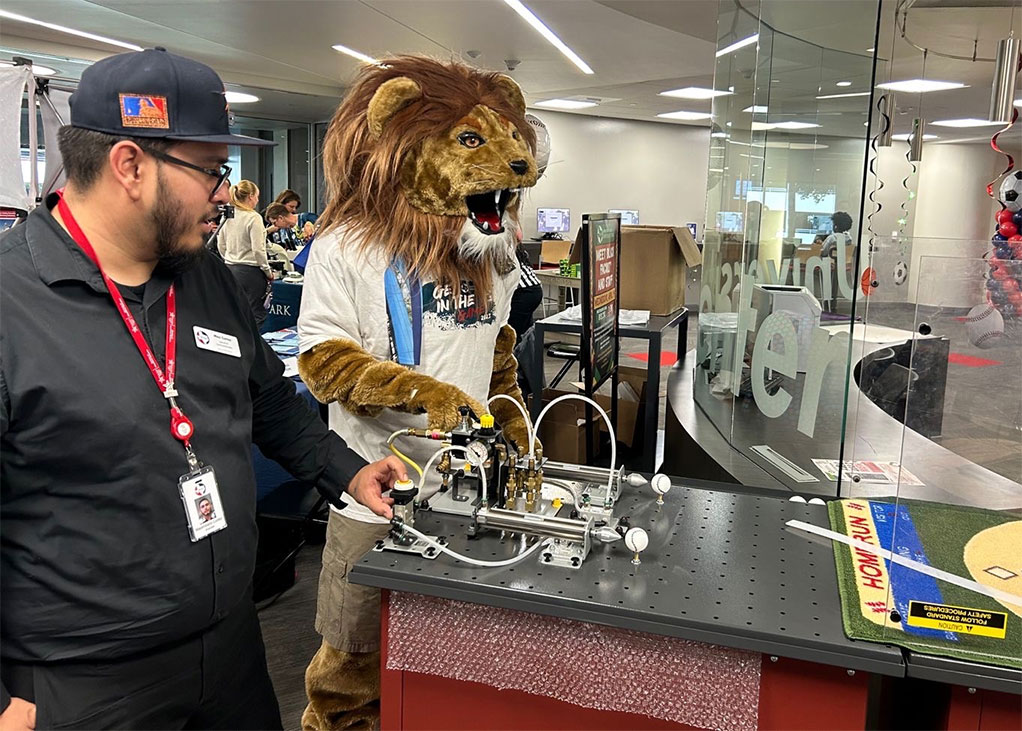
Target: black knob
x,y
924,328
519,166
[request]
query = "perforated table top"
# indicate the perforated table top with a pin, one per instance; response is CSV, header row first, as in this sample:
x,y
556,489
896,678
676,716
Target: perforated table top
x,y
720,568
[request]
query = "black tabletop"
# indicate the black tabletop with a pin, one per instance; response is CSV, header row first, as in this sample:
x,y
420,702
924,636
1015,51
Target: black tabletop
x,y
656,323
719,569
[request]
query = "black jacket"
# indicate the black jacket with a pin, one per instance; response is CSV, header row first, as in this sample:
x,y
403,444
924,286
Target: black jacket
x,y
95,558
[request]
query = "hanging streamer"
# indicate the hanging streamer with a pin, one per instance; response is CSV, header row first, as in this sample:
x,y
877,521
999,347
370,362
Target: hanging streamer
x,y
877,206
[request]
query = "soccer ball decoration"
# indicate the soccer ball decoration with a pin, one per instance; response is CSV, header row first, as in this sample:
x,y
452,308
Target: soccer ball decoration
x,y
1004,285
1011,191
900,272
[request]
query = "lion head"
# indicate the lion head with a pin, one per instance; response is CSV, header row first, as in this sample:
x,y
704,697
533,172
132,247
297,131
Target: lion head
x,y
426,160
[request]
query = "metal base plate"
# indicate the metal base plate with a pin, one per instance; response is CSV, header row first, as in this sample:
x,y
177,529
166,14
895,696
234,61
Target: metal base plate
x,y
420,547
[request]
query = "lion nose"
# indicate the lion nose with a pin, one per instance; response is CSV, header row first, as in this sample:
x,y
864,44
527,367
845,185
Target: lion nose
x,y
519,166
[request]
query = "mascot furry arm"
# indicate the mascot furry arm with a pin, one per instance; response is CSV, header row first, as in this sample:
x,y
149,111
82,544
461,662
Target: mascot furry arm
x,y
476,126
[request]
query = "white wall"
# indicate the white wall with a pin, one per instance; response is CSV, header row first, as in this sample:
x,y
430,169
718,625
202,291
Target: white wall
x,y
954,217
597,164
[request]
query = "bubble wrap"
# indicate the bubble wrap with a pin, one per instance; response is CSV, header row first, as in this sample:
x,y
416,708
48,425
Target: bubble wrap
x,y
590,665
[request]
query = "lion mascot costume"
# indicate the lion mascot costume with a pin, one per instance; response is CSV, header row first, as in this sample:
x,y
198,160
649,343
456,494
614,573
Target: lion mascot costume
x,y
405,308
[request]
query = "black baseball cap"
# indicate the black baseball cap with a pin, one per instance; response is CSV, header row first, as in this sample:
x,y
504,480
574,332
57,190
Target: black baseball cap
x,y
154,93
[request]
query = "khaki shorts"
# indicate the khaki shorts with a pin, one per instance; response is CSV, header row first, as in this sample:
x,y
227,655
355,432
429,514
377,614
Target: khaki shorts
x,y
348,615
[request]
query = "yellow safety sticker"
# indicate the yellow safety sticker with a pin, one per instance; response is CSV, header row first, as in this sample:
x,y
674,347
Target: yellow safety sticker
x,y
957,619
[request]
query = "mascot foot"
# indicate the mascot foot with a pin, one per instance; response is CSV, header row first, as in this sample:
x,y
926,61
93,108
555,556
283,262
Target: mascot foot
x,y
343,690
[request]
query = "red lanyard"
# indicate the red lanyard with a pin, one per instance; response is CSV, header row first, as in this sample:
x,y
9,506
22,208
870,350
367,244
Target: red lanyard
x,y
180,426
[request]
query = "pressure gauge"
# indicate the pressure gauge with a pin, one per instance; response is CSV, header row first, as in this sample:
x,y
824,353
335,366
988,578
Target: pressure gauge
x,y
476,453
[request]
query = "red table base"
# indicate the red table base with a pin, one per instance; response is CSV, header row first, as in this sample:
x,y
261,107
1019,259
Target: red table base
x,y
793,695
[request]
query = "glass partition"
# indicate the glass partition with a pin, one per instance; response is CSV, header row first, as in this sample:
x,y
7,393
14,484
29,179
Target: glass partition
x,y
780,271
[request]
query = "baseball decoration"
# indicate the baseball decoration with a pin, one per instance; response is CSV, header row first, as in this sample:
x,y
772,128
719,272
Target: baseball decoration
x,y
900,273
984,326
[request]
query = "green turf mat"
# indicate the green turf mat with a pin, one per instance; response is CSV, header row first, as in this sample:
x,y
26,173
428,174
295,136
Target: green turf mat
x,y
976,544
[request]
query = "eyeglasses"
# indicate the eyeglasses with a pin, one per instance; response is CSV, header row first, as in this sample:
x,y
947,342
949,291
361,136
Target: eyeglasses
x,y
221,174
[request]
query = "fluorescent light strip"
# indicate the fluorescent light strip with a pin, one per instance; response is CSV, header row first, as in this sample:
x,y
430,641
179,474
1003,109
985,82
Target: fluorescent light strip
x,y
695,92
844,96
905,137
756,109
920,86
843,83
687,116
556,42
71,31
736,45
961,123
355,54
239,97
564,104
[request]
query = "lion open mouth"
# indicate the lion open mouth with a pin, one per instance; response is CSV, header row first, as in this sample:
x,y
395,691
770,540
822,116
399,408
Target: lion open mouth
x,y
486,210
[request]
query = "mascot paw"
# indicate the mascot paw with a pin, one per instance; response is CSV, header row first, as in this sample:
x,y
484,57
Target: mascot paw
x,y
442,403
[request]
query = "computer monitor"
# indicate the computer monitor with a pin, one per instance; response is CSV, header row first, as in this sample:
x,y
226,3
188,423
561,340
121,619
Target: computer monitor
x,y
820,223
729,221
629,217
553,220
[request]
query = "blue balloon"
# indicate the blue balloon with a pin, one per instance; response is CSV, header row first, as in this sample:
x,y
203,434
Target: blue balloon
x,y
999,237
1017,219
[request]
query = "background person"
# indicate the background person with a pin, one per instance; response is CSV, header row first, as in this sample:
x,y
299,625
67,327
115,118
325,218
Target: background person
x,y
116,610
242,243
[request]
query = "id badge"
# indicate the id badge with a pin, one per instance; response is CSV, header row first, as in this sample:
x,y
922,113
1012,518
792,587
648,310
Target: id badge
x,y
203,507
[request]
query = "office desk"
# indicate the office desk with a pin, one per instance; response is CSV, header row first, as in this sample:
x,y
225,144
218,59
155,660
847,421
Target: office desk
x,y
652,332
552,277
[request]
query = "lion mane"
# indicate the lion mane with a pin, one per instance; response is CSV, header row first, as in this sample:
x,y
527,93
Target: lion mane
x,y
363,170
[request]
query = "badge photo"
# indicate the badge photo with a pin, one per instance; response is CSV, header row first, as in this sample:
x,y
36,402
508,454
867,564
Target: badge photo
x,y
203,506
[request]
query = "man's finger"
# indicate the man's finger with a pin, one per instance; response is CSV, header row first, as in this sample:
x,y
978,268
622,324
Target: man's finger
x,y
396,467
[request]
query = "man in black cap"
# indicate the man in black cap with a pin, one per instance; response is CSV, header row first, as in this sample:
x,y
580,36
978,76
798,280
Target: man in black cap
x,y
133,383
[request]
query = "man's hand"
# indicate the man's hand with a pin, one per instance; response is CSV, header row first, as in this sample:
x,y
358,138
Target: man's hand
x,y
368,485
18,716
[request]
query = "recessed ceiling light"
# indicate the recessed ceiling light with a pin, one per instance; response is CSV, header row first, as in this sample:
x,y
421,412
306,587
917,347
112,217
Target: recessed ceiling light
x,y
920,86
870,50
775,81
564,104
689,116
720,135
736,45
695,92
843,83
844,96
71,31
238,97
795,125
905,137
762,126
36,68
966,123
355,54
541,28
756,109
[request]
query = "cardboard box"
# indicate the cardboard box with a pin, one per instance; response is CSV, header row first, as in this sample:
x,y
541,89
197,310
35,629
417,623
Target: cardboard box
x,y
563,429
553,250
654,266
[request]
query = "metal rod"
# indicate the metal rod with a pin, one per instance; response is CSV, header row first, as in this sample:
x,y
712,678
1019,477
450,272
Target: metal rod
x,y
540,525
33,146
1002,93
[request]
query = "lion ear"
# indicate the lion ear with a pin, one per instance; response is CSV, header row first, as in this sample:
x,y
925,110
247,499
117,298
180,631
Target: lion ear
x,y
512,91
388,100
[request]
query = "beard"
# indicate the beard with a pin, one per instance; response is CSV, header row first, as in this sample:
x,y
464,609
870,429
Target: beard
x,y
474,245
170,227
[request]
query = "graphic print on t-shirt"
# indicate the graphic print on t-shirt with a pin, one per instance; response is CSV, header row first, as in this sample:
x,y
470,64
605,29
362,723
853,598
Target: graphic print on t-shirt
x,y
451,312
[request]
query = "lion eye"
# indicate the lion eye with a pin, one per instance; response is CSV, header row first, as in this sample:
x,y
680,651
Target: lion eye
x,y
470,140
514,134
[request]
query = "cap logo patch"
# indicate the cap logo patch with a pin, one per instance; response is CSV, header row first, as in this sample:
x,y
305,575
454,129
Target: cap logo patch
x,y
144,110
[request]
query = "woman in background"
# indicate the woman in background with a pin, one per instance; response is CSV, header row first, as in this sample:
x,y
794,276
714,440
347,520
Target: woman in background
x,y
242,243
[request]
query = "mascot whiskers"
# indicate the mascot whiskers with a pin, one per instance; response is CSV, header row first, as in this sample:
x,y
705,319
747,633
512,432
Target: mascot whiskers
x,y
405,309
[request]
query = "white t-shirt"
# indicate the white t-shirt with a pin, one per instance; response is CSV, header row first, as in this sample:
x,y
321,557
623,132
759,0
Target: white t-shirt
x,y
344,298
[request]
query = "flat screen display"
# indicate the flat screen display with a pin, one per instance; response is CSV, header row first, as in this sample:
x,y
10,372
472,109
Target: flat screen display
x,y
629,216
553,220
729,221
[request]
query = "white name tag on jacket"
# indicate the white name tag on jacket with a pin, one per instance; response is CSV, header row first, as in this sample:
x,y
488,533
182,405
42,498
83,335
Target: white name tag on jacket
x,y
207,339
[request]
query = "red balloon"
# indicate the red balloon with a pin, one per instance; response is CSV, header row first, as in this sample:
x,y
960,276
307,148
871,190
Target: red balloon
x,y
1004,216
1015,239
1007,229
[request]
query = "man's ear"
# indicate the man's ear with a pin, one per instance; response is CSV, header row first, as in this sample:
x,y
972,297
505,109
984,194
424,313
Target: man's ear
x,y
125,161
512,91
390,98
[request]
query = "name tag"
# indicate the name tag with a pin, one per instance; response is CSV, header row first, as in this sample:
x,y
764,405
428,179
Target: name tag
x,y
207,339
